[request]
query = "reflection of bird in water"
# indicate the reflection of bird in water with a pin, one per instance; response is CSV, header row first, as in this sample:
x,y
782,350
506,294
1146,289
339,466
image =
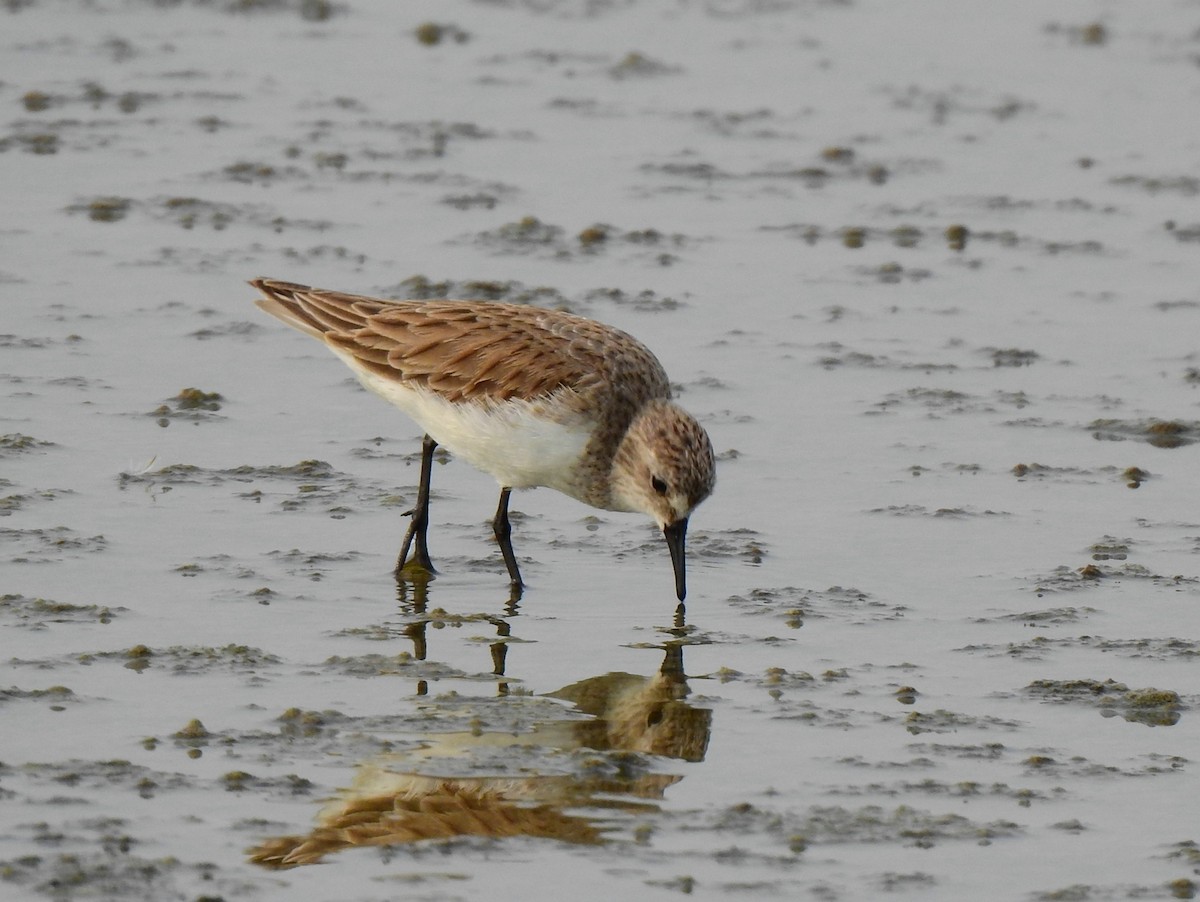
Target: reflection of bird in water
x,y
407,797
414,808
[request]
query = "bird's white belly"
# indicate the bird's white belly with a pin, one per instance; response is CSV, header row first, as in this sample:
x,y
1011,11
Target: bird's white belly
x,y
513,441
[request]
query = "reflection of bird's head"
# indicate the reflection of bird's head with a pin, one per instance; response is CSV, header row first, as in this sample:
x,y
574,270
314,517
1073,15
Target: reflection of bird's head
x,y
643,714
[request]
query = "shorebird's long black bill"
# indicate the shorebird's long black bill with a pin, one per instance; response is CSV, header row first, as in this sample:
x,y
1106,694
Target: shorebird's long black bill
x,y
675,534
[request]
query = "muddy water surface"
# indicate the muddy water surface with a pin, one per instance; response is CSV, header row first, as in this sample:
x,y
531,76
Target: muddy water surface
x,y
926,273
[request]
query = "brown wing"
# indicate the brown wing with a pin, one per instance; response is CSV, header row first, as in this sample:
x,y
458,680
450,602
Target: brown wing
x,y
469,349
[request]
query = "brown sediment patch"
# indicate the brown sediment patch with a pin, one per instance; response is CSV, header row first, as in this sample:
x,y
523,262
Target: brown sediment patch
x,y
1148,706
1159,433
43,545
1131,477
1066,579
36,613
314,485
798,605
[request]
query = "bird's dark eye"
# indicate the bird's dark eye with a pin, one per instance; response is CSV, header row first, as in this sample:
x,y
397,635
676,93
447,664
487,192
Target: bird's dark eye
x,y
658,484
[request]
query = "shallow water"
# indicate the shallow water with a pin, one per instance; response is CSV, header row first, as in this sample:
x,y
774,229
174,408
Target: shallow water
x,y
925,273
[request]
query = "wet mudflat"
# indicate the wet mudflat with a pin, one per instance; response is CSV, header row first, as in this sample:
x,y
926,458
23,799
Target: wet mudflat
x,y
926,274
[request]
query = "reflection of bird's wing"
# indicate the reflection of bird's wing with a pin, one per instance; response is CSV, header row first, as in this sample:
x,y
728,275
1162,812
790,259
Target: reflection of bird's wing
x,y
465,350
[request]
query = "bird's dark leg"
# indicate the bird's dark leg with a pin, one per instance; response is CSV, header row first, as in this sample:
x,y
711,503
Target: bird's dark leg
x,y
418,526
503,530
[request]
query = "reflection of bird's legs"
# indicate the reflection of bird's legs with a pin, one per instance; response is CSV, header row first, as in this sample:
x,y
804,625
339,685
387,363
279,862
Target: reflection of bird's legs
x,y
672,665
419,524
500,653
415,628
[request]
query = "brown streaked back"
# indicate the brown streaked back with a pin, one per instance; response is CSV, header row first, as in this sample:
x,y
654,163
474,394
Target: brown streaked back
x,y
472,350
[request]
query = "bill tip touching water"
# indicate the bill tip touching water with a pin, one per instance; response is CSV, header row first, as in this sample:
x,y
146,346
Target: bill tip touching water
x,y
533,397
